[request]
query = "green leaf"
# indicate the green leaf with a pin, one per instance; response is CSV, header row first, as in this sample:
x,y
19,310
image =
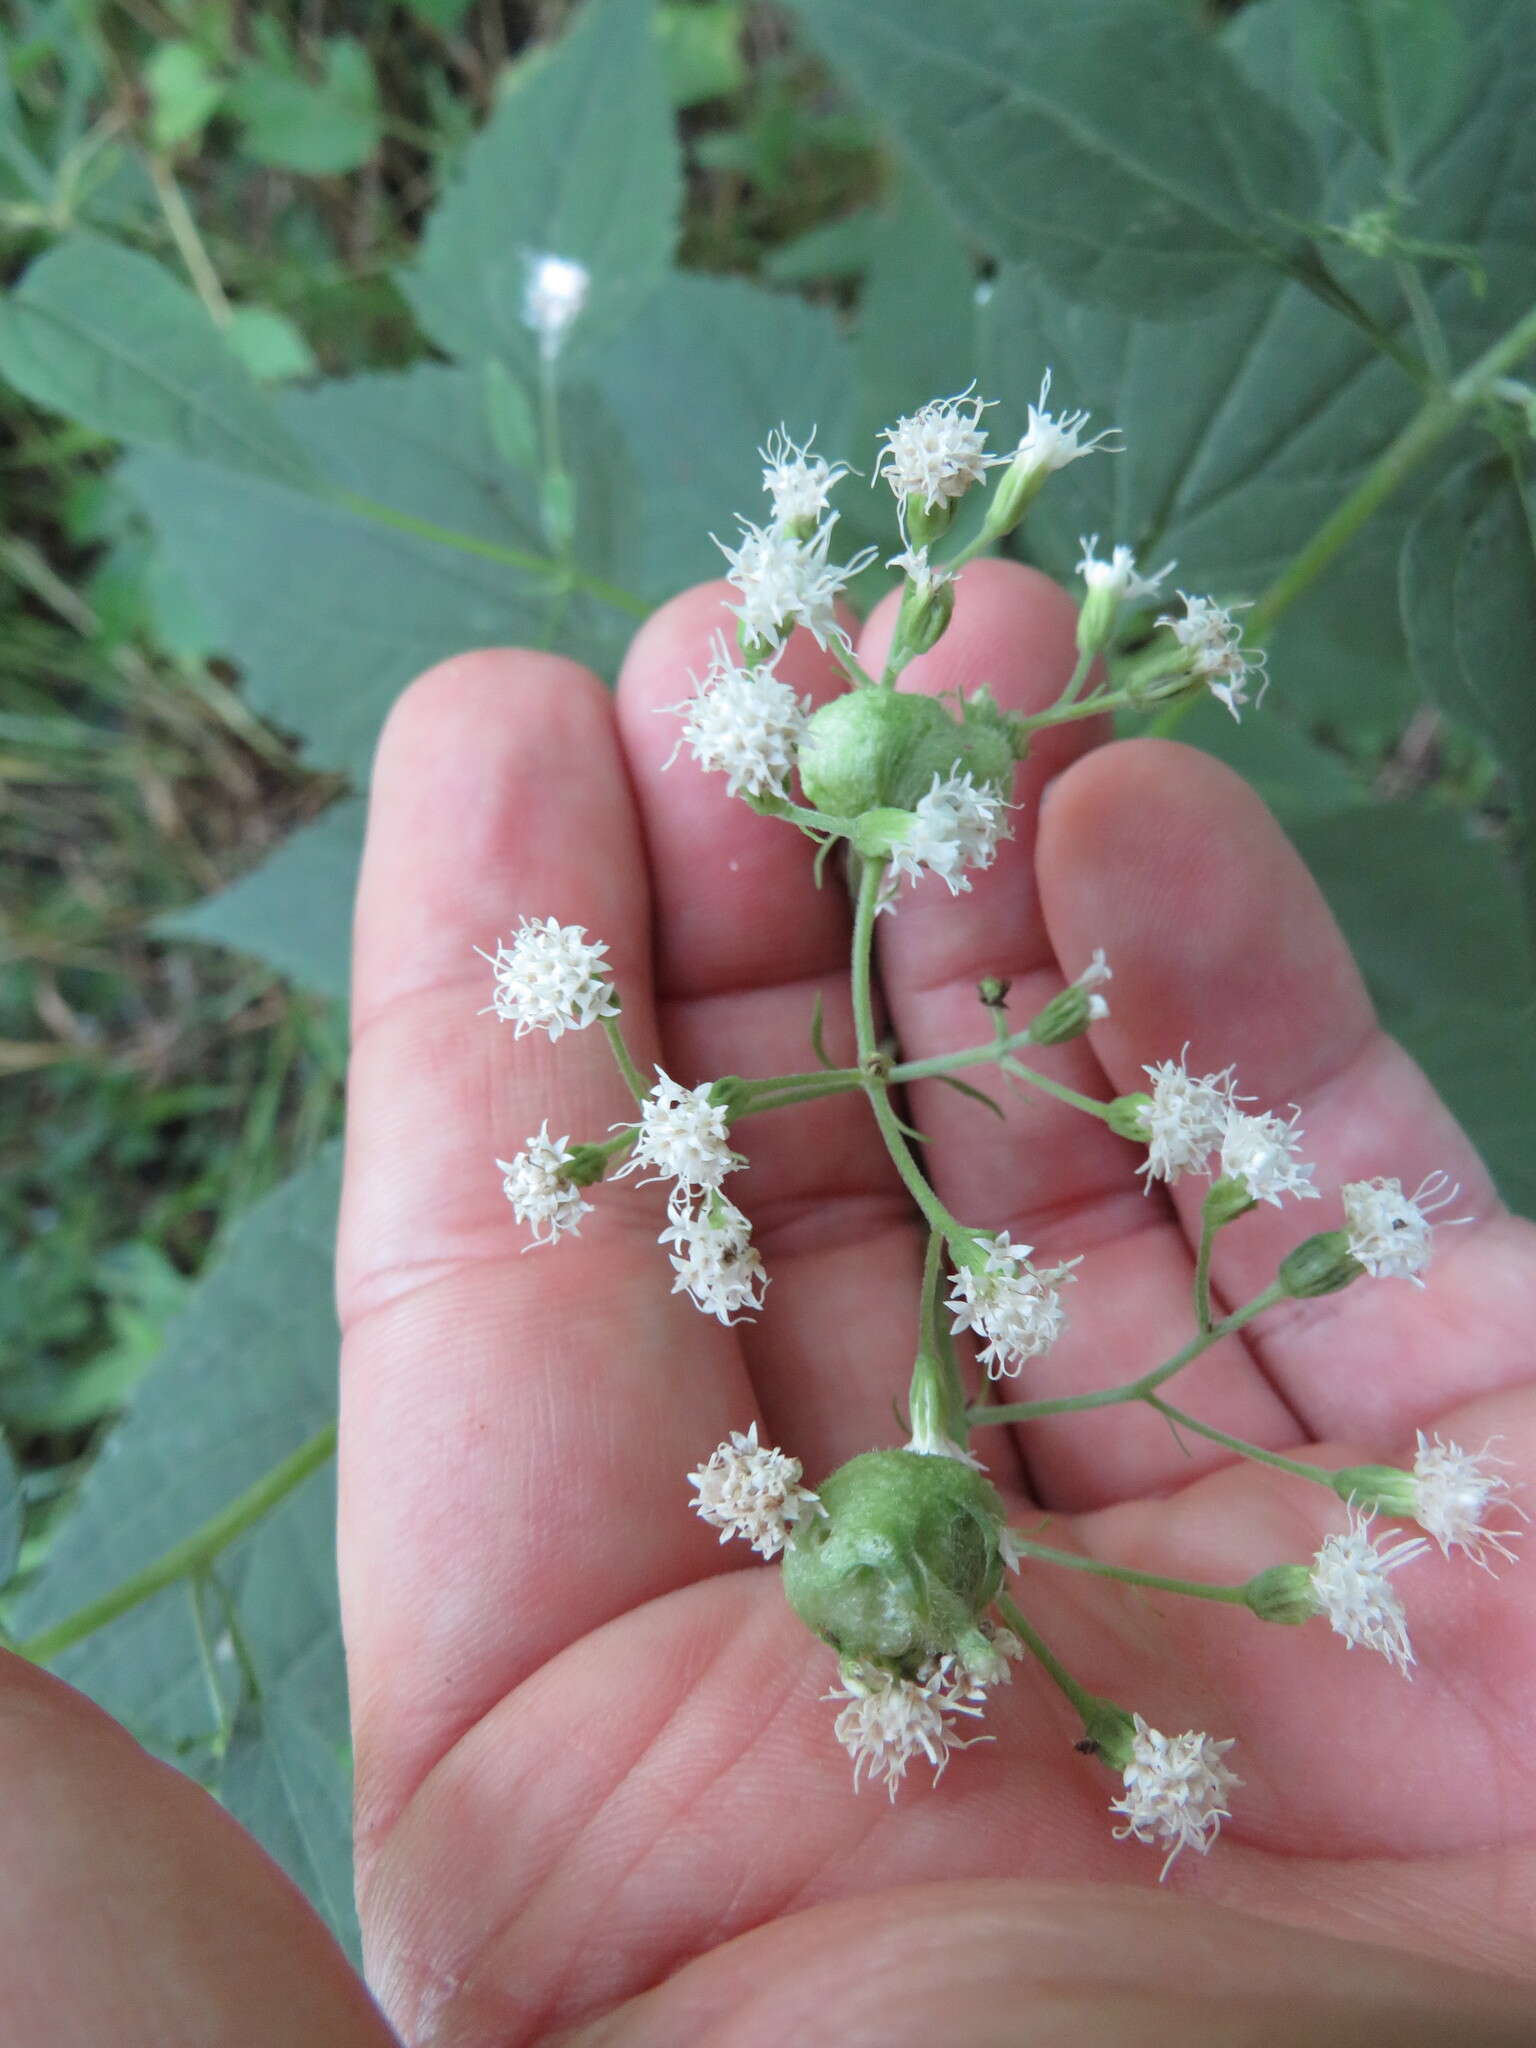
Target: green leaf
x,y
294,1793
328,608
1393,70
183,93
10,1513
701,55
269,345
105,336
583,164
1109,142
322,126
1468,591
295,910
701,377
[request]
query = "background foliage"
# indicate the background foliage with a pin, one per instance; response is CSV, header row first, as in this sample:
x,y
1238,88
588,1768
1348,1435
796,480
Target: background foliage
x,y
275,444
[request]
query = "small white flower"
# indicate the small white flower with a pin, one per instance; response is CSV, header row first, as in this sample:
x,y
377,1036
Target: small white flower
x,y
1176,1791
798,482
937,452
1260,1151
1050,443
889,1720
1014,1306
985,1665
1453,1495
1350,1583
784,582
1185,1120
925,576
553,297
956,826
752,1492
550,979
1390,1232
712,1253
1093,977
683,1135
1214,642
540,1194
745,724
929,1441
1118,576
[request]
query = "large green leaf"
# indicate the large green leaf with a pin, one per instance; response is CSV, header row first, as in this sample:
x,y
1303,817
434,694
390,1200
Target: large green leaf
x,y
1468,589
107,337
1109,142
1394,70
328,607
700,378
295,910
580,161
288,1786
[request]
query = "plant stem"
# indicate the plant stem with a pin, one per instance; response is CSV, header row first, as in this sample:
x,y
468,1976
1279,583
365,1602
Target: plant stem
x,y
1195,1589
634,1080
1059,1089
189,243
1085,1702
1064,710
1235,1443
1208,1228
194,1553
1076,680
1139,1389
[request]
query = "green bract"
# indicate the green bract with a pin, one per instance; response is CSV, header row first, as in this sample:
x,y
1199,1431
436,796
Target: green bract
x,y
903,1562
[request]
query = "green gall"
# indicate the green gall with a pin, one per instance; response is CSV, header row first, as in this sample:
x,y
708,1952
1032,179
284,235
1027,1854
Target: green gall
x,y
1283,1594
902,1562
1378,1489
868,749
1319,1265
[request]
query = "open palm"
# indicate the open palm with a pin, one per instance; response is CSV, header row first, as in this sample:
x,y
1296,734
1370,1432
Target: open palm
x,y
593,1759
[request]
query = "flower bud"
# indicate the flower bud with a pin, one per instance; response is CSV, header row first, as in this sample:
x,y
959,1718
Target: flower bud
x,y
1066,1016
1378,1489
1127,1117
926,610
993,992
1097,620
1319,1265
1226,1200
923,523
1282,1594
1013,494
902,1562
1109,1732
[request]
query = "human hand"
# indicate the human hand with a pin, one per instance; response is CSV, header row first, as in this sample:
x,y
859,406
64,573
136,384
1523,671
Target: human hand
x,y
592,1754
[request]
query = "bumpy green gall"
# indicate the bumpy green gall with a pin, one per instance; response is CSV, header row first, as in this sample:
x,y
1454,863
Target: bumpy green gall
x,y
902,1563
880,749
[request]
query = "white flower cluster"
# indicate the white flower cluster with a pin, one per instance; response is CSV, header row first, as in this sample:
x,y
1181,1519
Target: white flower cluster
x,y
751,1491
542,1195
936,453
955,826
1118,578
888,1720
1013,1306
782,572
1188,1119
1050,442
1213,641
717,1265
1389,1232
553,297
744,724
1351,1584
551,978
1176,1791
684,1135
1455,1495
798,482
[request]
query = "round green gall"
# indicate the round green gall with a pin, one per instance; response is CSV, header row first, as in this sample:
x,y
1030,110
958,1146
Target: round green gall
x,y
859,753
903,1560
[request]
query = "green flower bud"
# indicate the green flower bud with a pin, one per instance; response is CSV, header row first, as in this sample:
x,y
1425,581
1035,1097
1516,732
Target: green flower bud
x,y
585,1165
860,751
1097,620
993,992
1384,1489
902,1562
1021,483
1128,1117
1226,1201
1109,1732
926,610
922,523
1282,1594
1319,1265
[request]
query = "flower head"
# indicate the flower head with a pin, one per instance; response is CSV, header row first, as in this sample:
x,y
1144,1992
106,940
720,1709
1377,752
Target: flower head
x,y
1015,1307
1454,1492
717,1265
551,979
1185,1119
784,581
1390,1232
927,577
1213,641
937,453
745,724
1118,576
1050,443
984,1663
750,1491
1260,1151
890,1720
1176,1791
537,1186
1350,1583
553,297
1092,978
799,483
684,1135
956,826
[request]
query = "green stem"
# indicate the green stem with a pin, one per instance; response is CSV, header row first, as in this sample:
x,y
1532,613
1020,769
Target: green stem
x,y
634,1080
1139,1389
1235,1443
1063,711
193,1553
1075,681
1085,1702
1195,1589
1059,1089
1208,1229
559,573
